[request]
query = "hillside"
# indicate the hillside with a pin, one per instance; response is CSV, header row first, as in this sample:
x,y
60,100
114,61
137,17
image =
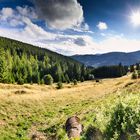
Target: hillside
x,y
109,59
27,110
23,63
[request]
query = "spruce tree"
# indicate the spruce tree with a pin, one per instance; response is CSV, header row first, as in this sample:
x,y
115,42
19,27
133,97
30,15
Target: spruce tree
x,y
3,67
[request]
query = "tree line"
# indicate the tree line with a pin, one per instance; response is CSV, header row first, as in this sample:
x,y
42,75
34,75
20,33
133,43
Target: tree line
x,y
23,63
110,71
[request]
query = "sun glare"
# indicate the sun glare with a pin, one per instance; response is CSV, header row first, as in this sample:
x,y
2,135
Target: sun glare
x,y
135,18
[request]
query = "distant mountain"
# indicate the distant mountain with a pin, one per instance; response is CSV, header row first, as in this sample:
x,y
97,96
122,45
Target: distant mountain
x,y
113,58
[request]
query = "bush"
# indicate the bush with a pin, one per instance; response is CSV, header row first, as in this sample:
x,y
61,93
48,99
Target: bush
x,y
82,79
67,78
138,73
20,81
42,82
93,133
48,80
97,81
59,85
134,75
75,82
123,122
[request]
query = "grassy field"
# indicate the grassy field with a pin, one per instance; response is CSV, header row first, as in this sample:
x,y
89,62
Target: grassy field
x,y
26,110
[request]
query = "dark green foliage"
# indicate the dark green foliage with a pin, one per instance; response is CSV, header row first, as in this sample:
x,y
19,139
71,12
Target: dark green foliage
x,y
67,78
134,75
110,71
82,79
3,67
59,85
23,63
42,82
75,82
137,66
48,79
132,68
124,121
93,133
138,73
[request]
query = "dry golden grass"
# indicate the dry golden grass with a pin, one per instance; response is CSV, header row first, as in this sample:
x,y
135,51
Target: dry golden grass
x,y
41,106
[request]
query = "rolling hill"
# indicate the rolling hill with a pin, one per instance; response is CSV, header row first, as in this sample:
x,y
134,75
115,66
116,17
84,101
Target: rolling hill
x,y
108,59
23,63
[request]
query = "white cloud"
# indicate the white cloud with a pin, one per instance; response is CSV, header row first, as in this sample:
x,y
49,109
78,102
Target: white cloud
x,y
102,26
27,12
60,14
15,17
6,13
60,42
69,44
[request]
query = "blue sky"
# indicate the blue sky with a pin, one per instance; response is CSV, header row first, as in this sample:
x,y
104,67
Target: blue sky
x,y
73,26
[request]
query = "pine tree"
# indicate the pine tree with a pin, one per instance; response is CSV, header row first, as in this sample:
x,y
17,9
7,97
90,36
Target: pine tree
x,y
3,67
48,79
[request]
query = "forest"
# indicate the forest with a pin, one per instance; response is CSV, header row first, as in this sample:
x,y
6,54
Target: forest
x,y
23,63
111,71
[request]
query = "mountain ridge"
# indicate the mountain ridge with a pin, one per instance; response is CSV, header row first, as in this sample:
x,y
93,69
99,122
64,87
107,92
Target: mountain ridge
x,y
108,59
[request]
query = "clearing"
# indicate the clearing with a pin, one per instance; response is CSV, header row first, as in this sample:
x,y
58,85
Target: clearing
x,y
27,110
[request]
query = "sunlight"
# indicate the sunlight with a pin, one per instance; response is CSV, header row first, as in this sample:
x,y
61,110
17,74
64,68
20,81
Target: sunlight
x,y
135,18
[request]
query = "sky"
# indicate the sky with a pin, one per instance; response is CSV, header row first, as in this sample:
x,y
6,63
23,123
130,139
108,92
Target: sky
x,y
72,27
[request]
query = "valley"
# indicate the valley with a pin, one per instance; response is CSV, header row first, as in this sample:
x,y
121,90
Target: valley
x,y
27,110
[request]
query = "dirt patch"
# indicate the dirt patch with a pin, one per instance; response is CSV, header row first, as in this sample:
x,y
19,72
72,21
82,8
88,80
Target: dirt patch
x,y
2,123
20,92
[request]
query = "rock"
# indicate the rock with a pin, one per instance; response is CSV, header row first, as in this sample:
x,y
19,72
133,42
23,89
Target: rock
x,y
73,127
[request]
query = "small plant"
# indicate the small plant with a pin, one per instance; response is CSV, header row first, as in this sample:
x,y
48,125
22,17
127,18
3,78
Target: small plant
x,y
97,80
138,73
42,82
48,79
134,75
75,82
82,79
59,85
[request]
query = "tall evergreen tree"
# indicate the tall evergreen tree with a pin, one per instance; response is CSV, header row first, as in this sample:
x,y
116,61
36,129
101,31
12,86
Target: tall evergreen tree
x,y
3,66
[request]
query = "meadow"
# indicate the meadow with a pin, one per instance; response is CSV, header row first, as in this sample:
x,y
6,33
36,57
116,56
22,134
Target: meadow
x,y
111,105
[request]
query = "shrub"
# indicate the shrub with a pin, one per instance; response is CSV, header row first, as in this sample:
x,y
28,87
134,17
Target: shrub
x,y
67,78
134,75
48,79
75,82
97,81
93,133
59,85
82,79
138,73
20,81
123,122
42,82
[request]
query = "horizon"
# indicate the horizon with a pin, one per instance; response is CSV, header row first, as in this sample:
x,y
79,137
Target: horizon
x,y
73,27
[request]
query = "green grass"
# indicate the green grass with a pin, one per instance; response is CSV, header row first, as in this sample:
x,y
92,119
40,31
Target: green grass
x,y
47,110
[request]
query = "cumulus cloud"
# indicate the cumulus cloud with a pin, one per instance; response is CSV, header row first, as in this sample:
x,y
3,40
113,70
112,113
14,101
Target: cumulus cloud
x,y
27,12
63,43
14,17
102,26
80,41
6,13
60,14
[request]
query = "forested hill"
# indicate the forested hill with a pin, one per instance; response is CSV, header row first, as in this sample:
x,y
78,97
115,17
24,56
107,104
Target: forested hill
x,y
109,59
24,63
